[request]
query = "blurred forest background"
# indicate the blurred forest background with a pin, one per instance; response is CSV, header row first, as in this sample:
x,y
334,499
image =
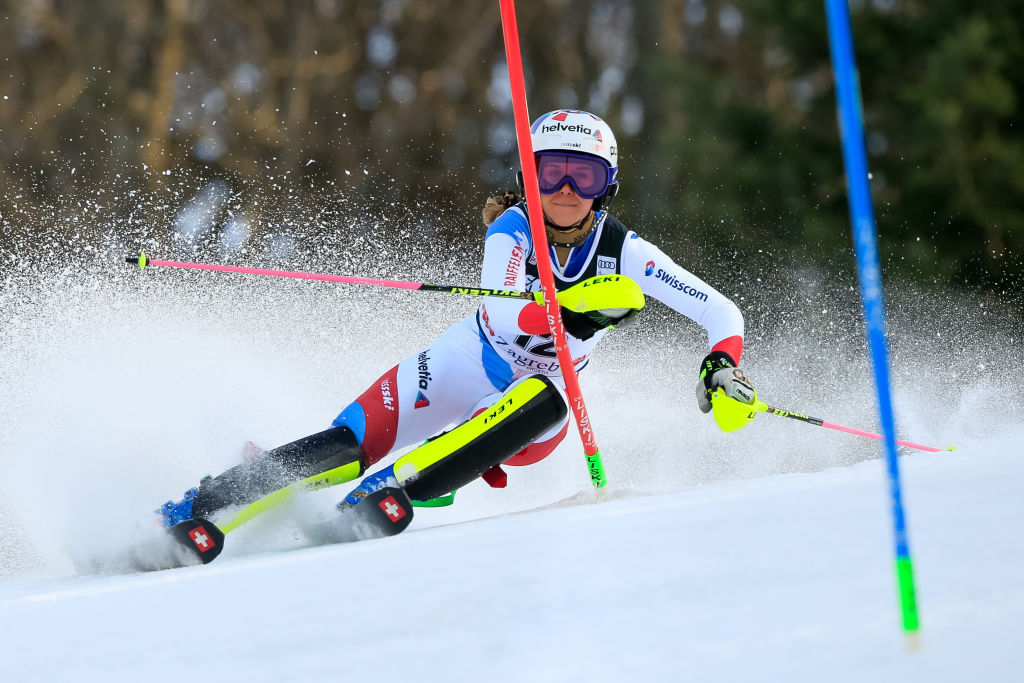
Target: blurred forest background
x,y
220,120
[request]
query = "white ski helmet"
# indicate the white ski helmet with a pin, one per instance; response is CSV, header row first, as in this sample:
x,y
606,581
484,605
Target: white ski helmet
x,y
578,132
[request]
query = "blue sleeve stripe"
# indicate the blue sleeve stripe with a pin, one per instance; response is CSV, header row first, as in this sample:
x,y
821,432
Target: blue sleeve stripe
x,y
512,223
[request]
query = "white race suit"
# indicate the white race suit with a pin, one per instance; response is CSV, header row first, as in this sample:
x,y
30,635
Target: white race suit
x,y
506,340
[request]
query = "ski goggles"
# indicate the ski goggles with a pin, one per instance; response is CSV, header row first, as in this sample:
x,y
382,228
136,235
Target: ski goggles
x,y
588,176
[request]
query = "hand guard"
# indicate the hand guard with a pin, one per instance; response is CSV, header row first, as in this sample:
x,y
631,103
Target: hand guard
x,y
600,302
718,370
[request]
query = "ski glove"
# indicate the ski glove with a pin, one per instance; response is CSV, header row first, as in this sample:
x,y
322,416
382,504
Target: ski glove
x,y
586,325
600,302
718,370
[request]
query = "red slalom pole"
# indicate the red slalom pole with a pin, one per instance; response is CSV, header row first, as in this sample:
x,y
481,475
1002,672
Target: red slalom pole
x,y
547,278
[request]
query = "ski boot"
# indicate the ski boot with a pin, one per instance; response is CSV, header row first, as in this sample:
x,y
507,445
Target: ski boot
x,y
377,507
377,481
172,513
200,538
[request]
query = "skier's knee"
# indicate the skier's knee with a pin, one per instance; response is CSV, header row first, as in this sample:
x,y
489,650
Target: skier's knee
x,y
538,450
373,417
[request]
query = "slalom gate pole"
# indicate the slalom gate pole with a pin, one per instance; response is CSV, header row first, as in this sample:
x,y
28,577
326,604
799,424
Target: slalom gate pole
x,y
865,239
540,241
143,261
818,422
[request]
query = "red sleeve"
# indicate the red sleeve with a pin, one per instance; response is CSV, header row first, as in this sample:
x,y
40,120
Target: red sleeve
x,y
731,345
533,319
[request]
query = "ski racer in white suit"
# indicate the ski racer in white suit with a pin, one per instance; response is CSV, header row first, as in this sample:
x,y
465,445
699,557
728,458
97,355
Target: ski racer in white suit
x,y
479,362
475,361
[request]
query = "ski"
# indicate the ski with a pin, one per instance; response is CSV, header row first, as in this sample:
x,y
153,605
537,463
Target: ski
x,y
197,541
201,537
385,512
186,539
188,543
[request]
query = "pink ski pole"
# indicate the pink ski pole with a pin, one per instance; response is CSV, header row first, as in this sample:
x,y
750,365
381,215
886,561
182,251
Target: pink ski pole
x,y
818,422
142,260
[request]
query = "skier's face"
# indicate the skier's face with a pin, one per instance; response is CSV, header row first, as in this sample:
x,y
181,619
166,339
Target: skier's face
x,y
564,207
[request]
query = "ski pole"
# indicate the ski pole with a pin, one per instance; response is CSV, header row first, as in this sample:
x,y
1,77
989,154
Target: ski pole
x,y
142,260
517,84
763,407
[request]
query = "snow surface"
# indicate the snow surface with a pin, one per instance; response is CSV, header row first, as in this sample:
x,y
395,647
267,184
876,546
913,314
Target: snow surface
x,y
764,555
776,579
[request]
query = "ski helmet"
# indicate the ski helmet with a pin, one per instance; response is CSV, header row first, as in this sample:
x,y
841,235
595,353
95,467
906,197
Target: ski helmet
x,y
575,132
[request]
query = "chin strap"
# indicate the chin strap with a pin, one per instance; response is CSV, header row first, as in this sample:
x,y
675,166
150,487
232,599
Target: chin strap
x,y
571,237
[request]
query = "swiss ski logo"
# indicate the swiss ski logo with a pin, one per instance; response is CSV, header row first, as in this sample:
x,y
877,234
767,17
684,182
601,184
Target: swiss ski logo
x,y
392,509
202,539
421,401
386,396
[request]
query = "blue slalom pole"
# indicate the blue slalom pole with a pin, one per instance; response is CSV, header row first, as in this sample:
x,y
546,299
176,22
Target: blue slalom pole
x,y
865,240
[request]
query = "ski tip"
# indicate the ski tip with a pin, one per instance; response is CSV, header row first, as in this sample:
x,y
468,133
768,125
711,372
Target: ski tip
x,y
140,259
201,537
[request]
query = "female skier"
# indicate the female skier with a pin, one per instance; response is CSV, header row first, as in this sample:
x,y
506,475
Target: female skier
x,y
495,374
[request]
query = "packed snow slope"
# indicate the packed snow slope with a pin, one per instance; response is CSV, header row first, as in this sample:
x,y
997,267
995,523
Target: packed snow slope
x,y
784,578
761,555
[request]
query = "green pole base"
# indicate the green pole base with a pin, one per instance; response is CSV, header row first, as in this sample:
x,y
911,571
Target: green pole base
x,y
908,596
596,467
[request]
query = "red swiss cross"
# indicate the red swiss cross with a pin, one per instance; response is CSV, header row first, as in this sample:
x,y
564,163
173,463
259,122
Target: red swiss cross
x,y
201,539
392,509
